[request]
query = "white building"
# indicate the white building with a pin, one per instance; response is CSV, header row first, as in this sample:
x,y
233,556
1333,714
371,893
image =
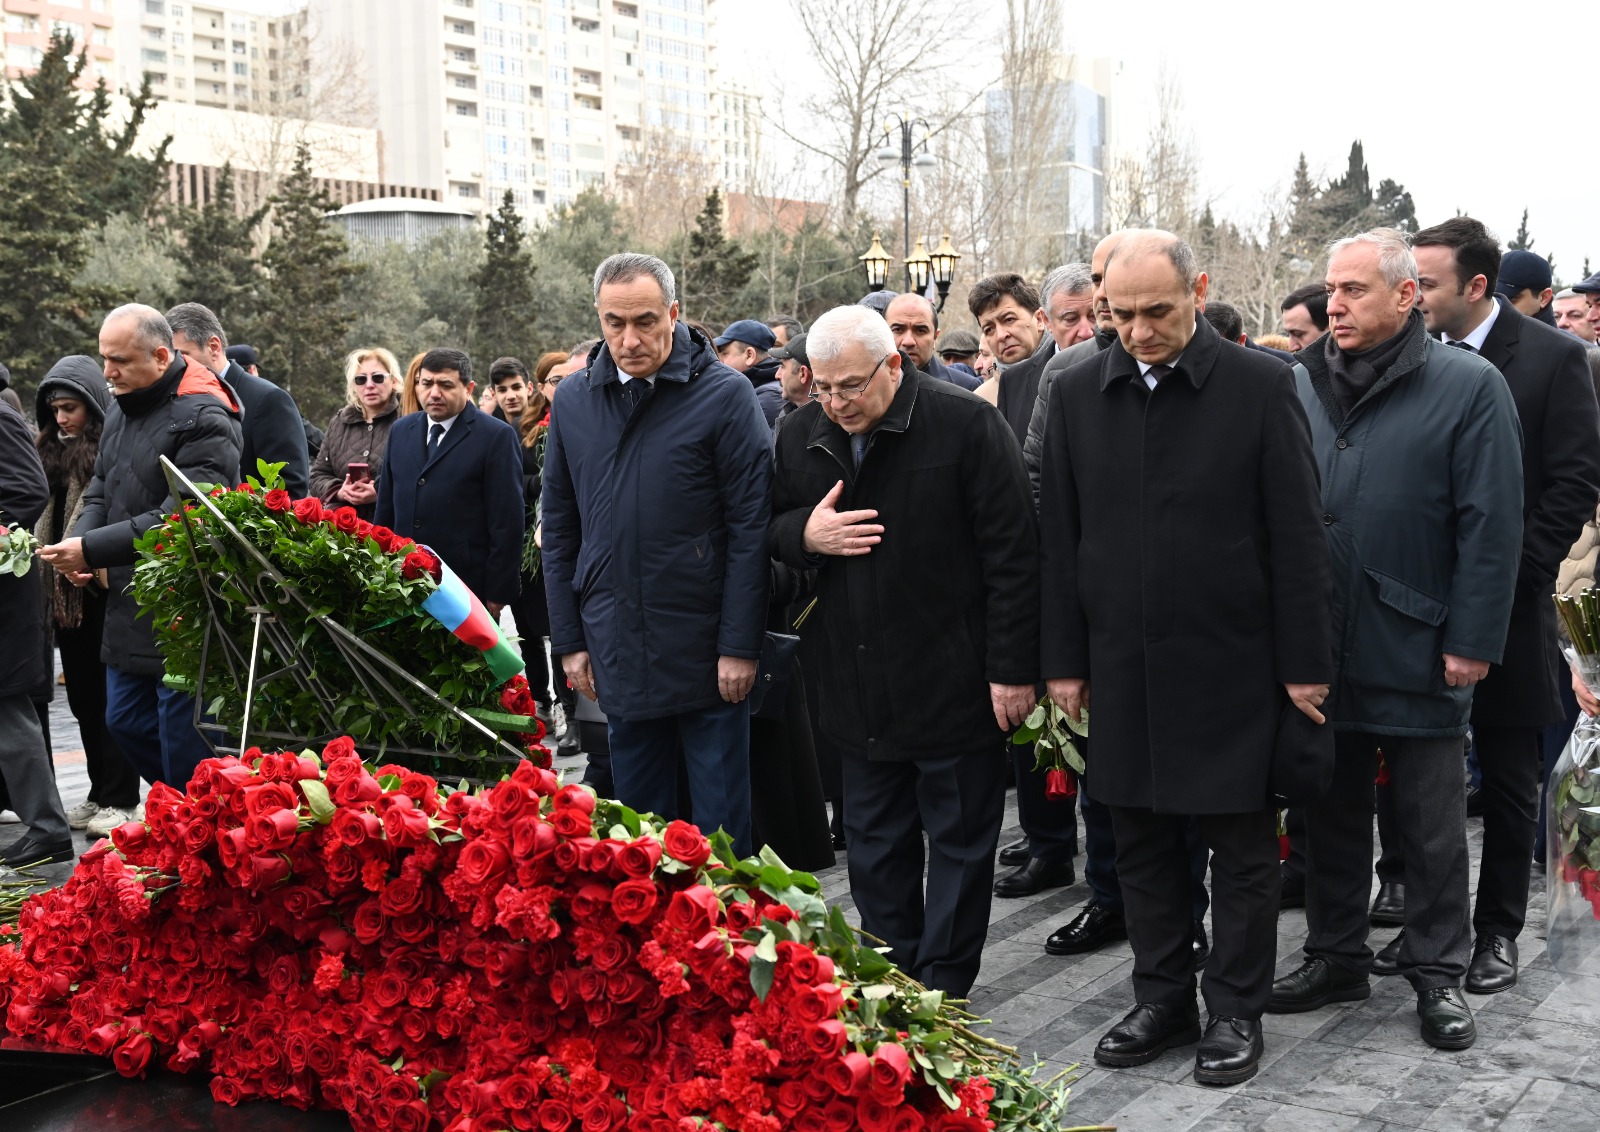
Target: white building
x,y
736,137
474,97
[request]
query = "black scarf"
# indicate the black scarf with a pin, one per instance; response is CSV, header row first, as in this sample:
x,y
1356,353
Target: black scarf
x,y
1354,374
1106,336
138,402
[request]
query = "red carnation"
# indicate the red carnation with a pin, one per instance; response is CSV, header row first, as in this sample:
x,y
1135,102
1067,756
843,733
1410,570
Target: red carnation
x,y
308,510
684,842
418,563
278,500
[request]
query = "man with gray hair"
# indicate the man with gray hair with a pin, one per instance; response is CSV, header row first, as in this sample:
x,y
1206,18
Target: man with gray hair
x,y
1067,298
1420,452
163,405
273,430
923,670
657,485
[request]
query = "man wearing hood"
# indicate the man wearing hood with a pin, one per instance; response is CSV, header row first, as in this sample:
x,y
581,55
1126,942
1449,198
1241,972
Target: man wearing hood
x,y
163,405
743,347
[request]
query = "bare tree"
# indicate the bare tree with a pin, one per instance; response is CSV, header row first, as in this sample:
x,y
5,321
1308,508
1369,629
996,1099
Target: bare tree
x,y
662,183
1158,187
874,57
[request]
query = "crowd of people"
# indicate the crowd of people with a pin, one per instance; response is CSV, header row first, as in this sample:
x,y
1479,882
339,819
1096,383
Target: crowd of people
x,y
801,584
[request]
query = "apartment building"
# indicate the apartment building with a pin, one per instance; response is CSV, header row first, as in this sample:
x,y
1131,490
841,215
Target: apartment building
x,y
30,23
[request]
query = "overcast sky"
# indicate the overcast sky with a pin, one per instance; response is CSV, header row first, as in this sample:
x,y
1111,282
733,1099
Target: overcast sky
x,y
1485,110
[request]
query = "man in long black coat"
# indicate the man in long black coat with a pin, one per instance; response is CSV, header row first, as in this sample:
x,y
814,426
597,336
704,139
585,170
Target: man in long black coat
x,y
907,496
1549,381
1185,576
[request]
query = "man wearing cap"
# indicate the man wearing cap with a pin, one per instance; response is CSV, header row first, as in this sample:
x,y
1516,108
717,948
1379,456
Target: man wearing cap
x,y
744,347
877,300
915,328
1525,281
1590,290
1572,315
794,376
958,348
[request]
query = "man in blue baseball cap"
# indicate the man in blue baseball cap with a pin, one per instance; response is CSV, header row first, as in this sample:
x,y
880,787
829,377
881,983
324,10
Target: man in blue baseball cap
x,y
743,346
1526,282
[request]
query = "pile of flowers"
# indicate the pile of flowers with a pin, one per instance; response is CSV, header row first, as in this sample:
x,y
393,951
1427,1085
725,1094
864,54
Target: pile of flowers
x,y
1573,802
361,574
332,934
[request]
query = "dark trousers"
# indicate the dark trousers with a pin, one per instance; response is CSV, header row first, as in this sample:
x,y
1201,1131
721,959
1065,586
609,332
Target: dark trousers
x,y
1509,759
1294,825
154,726
1152,850
958,803
1100,858
1430,810
1052,827
112,779
25,768
716,748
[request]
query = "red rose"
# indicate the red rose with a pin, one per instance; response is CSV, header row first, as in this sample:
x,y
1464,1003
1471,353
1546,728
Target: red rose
x,y
344,519
308,510
891,1071
813,1004
826,1037
874,1115
132,1055
384,537
638,857
695,909
908,1119
572,822
338,748
634,900
1059,785
684,842
352,827
278,500
403,823
849,1075
418,563
555,1115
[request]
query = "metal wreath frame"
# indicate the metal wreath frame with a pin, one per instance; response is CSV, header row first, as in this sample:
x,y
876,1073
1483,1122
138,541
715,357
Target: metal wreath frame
x,y
380,676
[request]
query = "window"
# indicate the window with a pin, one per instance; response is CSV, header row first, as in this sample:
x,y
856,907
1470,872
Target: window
x,y
155,7
177,38
560,151
154,35
492,37
150,55
466,110
25,25
466,189
239,47
177,9
241,68
102,37
465,82
558,76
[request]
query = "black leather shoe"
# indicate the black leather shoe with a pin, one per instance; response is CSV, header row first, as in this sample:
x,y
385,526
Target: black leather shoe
x,y
1494,965
1015,854
26,851
1387,961
1292,893
1202,945
1092,929
1146,1033
1229,1053
569,744
1389,906
1314,985
1035,876
1446,1018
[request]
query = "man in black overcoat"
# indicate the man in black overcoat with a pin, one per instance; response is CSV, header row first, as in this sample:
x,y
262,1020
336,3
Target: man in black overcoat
x,y
907,495
1185,578
1549,380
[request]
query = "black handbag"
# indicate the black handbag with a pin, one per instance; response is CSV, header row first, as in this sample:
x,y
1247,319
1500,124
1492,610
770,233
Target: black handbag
x,y
771,690
1302,758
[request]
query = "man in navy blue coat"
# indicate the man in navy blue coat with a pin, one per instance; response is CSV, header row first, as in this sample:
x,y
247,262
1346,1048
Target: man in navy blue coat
x,y
452,480
657,483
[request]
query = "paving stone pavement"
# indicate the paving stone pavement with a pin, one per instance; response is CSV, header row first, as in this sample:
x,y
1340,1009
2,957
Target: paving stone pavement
x,y
1356,1067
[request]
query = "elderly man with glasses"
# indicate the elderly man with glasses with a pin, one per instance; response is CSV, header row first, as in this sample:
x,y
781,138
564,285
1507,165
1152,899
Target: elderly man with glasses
x,y
908,497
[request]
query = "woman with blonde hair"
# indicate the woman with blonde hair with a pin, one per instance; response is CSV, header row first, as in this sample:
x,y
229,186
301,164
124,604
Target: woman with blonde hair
x,y
346,470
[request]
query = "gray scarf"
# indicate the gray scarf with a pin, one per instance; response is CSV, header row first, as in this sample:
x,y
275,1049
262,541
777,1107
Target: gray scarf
x,y
1354,374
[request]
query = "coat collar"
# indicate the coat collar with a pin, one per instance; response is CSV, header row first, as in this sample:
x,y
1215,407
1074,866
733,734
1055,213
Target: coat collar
x,y
1501,341
1411,358
826,434
691,356
1195,364
457,433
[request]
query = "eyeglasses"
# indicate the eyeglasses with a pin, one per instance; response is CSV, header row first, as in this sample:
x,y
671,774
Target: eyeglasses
x,y
846,393
375,378
552,380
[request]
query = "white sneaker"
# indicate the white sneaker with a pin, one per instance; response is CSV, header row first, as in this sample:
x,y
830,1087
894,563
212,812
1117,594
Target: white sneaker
x,y
110,817
80,815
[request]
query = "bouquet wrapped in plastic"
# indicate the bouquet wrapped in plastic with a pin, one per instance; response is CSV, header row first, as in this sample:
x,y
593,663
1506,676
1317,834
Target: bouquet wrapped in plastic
x,y
1573,822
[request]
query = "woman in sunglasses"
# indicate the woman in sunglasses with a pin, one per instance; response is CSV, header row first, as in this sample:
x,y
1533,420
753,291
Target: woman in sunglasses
x,y
345,472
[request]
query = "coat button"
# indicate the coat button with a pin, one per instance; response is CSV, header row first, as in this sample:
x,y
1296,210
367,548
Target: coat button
x,y
872,744
421,480
1341,443
416,524
1327,520
364,451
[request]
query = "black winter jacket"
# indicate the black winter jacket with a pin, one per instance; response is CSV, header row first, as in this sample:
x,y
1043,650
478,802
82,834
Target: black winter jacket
x,y
914,632
23,492
189,416
273,429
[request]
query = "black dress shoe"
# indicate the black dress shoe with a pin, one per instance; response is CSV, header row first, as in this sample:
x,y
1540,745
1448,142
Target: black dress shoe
x,y
1314,985
1389,906
1229,1053
1092,929
1446,1018
1387,961
1035,876
1015,854
26,851
1146,1033
1292,892
1494,965
569,744
1202,945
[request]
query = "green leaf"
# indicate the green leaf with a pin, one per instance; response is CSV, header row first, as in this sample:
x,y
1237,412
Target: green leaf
x,y
322,807
1035,718
762,966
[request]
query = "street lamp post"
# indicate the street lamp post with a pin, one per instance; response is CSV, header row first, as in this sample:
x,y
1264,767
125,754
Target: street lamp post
x,y
908,158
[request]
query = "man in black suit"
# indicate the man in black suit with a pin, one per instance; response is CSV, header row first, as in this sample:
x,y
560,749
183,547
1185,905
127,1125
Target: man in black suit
x,y
273,430
1457,262
452,480
1184,572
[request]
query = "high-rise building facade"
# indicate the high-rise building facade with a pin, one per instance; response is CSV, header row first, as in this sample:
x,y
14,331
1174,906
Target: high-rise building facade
x,y
30,23
478,97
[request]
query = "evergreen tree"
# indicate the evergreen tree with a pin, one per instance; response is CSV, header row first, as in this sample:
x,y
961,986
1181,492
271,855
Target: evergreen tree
x,y
1347,198
219,267
1522,241
303,316
566,251
1395,207
715,268
502,323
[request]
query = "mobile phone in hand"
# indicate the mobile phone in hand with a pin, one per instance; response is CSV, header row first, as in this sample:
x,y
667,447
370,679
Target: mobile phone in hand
x,y
358,473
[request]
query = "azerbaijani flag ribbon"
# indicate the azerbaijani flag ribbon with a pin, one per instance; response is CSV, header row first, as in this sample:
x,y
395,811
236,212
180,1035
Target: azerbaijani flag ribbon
x,y
459,610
